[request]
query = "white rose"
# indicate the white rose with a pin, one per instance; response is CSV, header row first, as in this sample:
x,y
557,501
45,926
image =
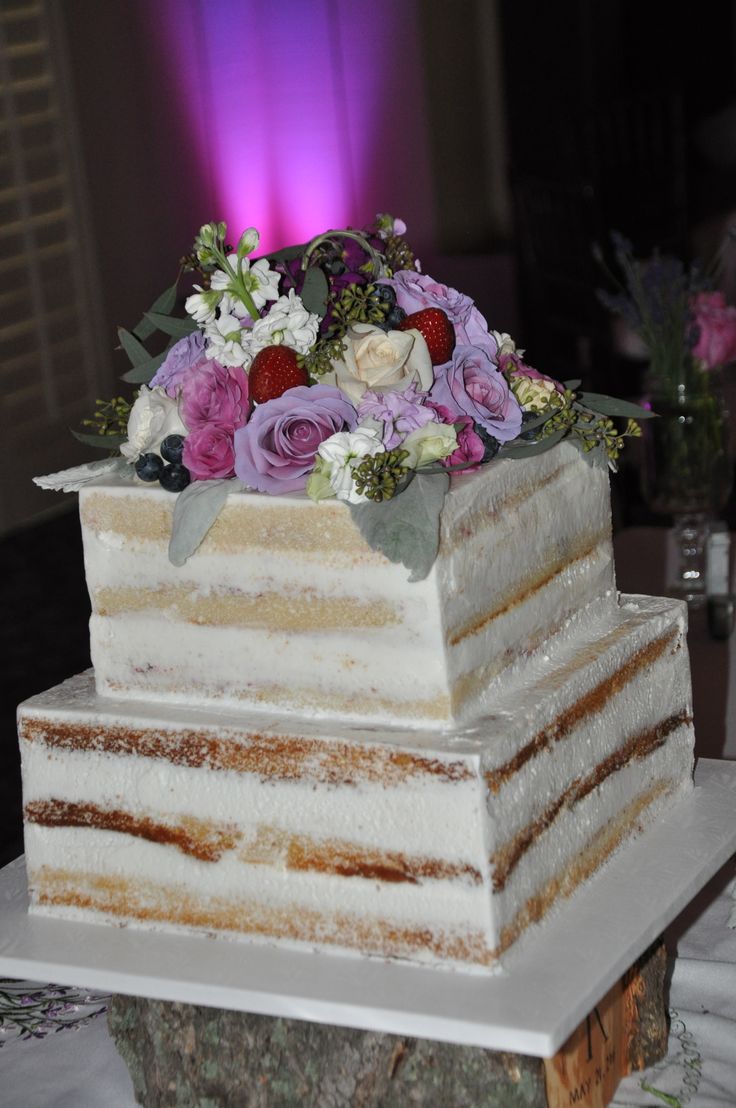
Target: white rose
x,y
380,360
153,416
340,452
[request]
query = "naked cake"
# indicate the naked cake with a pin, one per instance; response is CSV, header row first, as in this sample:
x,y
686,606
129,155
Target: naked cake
x,y
283,738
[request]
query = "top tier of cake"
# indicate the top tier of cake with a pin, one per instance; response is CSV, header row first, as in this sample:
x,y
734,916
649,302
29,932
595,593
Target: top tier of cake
x,y
285,606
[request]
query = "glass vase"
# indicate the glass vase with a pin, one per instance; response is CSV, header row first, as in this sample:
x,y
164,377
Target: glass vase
x,y
687,472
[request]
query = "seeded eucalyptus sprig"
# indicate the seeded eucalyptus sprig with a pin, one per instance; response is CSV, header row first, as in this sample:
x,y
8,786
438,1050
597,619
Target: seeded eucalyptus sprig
x,y
378,476
357,304
319,360
110,417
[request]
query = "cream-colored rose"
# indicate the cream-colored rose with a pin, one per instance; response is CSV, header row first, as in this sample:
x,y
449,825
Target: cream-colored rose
x,y
380,360
153,416
429,443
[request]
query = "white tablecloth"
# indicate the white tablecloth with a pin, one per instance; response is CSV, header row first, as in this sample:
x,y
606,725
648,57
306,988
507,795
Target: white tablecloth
x,y
72,1062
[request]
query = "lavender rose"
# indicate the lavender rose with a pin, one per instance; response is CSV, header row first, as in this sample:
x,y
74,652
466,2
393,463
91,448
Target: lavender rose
x,y
471,385
213,394
275,451
209,453
415,291
183,357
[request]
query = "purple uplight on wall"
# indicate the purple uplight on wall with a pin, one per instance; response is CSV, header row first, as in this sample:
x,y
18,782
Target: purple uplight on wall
x,y
305,115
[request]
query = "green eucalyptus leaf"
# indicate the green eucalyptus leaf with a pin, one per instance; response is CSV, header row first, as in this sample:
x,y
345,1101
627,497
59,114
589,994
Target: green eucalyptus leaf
x,y
163,303
196,509
518,449
315,291
286,255
172,325
142,374
102,442
572,385
135,349
406,528
611,406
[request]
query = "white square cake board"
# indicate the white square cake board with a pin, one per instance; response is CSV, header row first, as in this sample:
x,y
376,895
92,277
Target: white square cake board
x,y
550,982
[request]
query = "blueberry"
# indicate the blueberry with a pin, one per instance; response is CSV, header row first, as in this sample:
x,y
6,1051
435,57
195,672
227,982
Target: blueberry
x,y
171,448
490,444
174,477
395,317
385,293
148,467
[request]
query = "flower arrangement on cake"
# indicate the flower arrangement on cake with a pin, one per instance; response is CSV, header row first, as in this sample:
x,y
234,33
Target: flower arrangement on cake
x,y
335,368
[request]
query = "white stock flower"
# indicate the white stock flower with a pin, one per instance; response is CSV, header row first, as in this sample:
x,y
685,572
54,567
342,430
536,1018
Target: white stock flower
x,y
153,416
228,342
341,451
202,305
288,323
259,279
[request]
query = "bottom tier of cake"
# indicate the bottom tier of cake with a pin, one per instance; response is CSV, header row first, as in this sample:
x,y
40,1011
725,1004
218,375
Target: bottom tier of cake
x,y
440,848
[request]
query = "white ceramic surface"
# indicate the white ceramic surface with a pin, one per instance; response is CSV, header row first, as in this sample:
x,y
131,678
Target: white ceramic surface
x,y
551,981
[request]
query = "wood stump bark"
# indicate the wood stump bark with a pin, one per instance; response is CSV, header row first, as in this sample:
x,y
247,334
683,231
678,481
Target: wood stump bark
x,y
189,1056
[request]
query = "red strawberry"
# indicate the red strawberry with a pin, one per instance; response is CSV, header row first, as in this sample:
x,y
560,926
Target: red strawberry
x,y
436,330
273,371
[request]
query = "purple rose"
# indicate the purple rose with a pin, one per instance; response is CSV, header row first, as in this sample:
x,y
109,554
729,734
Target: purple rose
x,y
400,412
471,385
183,356
215,394
275,451
470,446
209,453
415,291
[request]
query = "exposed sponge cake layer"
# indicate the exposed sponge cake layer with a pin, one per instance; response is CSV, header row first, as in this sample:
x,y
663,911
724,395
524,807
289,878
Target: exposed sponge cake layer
x,y
285,607
438,847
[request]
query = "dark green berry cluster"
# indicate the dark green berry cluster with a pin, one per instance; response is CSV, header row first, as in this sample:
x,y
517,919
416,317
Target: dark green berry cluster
x,y
319,360
378,476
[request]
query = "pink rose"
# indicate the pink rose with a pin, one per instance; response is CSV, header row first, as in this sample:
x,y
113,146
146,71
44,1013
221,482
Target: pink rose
x,y
715,327
209,453
415,291
470,446
215,394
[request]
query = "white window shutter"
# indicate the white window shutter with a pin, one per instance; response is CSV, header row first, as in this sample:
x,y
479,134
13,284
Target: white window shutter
x,y
52,362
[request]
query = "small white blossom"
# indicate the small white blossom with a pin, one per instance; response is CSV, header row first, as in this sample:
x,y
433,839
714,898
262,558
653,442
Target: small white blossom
x,y
259,279
202,305
341,451
288,323
153,416
228,342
